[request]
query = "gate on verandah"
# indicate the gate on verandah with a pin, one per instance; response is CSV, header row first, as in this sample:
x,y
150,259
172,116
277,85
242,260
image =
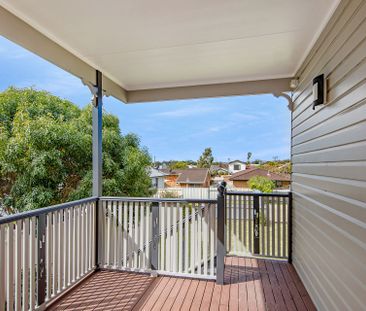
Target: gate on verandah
x,y
258,224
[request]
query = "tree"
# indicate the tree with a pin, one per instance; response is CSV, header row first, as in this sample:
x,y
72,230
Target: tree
x,y
175,165
46,153
261,183
206,159
249,155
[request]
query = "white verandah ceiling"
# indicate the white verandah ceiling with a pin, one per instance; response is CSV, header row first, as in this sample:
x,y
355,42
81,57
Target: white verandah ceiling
x,y
152,45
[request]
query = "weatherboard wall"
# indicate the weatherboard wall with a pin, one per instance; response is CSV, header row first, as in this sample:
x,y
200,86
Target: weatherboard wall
x,y
329,165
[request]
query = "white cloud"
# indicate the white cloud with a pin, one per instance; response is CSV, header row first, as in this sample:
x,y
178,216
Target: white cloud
x,y
57,82
187,111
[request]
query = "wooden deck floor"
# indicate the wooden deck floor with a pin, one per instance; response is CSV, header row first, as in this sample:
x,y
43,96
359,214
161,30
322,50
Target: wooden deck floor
x,y
250,284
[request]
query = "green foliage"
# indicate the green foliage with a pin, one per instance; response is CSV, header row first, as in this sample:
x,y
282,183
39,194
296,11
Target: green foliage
x,y
169,194
261,183
206,159
279,167
176,165
249,155
46,152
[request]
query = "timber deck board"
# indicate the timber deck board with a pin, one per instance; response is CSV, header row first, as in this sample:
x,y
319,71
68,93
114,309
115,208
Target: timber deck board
x,y
250,284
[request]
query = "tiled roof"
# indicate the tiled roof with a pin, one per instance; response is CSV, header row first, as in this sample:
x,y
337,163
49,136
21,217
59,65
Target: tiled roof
x,y
189,176
255,171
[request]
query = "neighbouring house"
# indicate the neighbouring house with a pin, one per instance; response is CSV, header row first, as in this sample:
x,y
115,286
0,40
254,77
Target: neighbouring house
x,y
236,166
191,177
240,179
157,178
218,170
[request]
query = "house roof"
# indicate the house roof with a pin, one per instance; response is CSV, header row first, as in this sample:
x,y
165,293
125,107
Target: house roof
x,y
153,172
235,161
156,50
190,176
215,168
255,171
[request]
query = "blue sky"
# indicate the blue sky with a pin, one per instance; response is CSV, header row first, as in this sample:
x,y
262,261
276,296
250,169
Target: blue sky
x,y
178,130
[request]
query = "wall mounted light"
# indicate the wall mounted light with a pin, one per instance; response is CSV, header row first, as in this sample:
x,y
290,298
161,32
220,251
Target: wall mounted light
x,y
319,91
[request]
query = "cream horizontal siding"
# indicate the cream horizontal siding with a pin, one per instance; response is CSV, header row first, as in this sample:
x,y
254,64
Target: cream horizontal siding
x,y
329,165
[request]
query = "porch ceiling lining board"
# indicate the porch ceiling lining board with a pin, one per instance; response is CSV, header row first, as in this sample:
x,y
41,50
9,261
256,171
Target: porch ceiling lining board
x,y
152,51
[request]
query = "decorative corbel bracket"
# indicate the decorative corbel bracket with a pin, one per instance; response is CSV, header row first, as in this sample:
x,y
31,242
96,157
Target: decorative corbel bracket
x,y
93,89
290,105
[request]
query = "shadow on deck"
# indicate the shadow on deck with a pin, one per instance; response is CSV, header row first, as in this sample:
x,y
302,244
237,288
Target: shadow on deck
x,y
250,284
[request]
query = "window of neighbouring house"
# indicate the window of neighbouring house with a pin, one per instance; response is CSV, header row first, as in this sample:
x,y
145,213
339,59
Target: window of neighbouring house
x,y
236,167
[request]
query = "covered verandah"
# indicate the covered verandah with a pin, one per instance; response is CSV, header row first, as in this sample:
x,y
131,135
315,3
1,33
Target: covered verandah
x,y
175,53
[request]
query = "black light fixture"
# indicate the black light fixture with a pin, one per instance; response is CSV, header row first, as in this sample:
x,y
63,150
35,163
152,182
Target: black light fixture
x,y
319,91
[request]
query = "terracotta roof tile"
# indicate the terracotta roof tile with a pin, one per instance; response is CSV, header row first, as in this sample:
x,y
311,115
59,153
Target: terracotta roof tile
x,y
255,171
189,176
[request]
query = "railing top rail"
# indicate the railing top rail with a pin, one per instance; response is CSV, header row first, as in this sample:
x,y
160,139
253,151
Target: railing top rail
x,y
45,210
259,194
159,200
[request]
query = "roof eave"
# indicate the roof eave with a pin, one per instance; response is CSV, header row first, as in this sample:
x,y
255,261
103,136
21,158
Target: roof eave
x,y
17,30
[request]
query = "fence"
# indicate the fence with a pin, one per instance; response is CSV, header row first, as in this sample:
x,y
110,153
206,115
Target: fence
x,y
44,252
200,193
168,235
258,224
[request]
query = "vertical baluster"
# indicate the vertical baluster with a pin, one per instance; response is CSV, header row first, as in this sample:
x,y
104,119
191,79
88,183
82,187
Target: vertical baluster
x,y
249,201
79,230
125,237
162,236
229,224
186,239
109,224
174,238
89,236
25,264
83,239
136,234
102,237
193,239
114,222
273,227
285,224
235,232
199,239
2,267
49,255
148,236
18,264
267,222
281,225
119,234
66,248
32,270
130,233
205,238
10,268
86,235
73,236
54,252
240,219
180,238
168,237
141,235
77,241
261,225
71,245
60,251
212,211
245,235
93,216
